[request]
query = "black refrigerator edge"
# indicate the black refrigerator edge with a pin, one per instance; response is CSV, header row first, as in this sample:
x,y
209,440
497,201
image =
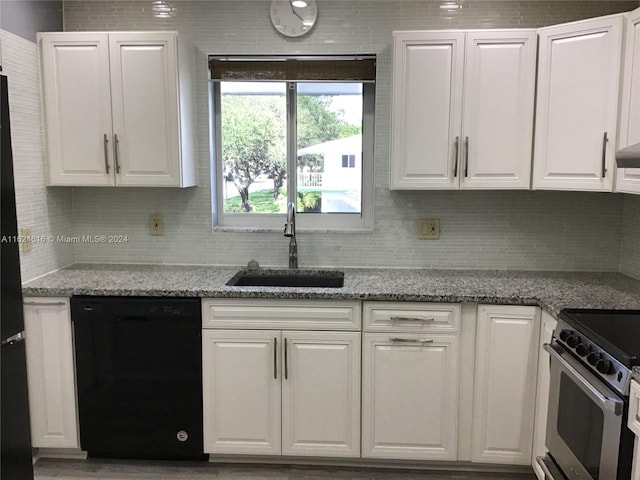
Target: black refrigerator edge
x,y
15,437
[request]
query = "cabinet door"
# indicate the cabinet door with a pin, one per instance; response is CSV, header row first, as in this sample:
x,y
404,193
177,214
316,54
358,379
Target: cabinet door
x,y
50,373
577,98
628,179
241,391
144,84
547,326
426,110
504,398
77,108
497,125
410,396
321,394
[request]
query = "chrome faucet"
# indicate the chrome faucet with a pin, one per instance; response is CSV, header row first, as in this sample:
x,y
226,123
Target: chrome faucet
x,y
290,231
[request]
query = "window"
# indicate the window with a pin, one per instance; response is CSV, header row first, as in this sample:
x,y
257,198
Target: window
x,y
292,130
348,161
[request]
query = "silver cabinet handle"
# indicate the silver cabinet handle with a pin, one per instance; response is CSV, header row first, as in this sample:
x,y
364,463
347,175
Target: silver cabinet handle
x,y
604,154
456,156
106,153
44,304
411,340
116,146
412,319
18,337
275,357
466,157
286,362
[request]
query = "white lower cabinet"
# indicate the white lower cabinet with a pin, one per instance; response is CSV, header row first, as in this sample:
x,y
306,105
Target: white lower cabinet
x,y
409,389
410,381
241,392
50,373
281,392
505,384
547,326
321,394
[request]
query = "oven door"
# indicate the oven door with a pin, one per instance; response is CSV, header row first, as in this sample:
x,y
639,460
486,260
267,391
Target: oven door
x,y
584,421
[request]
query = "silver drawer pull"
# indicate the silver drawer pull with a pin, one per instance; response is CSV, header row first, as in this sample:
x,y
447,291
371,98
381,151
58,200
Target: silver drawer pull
x,y
413,319
411,340
44,304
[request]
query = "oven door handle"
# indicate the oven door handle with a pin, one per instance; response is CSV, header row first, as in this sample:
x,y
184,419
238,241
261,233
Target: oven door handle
x,y
614,405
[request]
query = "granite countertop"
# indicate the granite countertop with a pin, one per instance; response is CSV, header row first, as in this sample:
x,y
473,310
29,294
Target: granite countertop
x,y
550,290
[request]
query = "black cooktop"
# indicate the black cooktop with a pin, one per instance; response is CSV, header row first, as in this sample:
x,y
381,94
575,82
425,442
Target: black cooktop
x,y
615,331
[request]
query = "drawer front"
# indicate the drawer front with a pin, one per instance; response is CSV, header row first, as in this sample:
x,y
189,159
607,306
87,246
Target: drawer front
x,y
281,314
634,408
411,317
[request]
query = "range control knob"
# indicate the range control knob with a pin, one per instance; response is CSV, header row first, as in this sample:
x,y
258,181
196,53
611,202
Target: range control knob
x,y
604,367
564,334
583,350
573,340
593,358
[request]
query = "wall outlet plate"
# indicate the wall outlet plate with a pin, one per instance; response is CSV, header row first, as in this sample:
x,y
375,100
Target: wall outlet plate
x,y
25,234
156,225
429,228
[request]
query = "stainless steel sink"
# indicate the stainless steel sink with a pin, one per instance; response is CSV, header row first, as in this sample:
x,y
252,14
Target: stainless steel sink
x,y
288,278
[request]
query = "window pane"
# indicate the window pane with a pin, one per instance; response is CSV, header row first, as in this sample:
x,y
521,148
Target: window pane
x,y
254,165
329,146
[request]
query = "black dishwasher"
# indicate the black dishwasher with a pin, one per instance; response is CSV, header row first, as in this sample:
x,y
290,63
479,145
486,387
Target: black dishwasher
x,y
139,376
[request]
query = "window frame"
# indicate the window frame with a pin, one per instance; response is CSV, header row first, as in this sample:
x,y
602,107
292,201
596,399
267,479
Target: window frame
x,y
304,221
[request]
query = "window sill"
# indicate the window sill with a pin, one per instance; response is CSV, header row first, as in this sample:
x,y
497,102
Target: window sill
x,y
222,228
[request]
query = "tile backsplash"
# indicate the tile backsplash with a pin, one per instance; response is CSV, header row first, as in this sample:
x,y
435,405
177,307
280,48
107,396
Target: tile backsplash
x,y
630,248
487,229
46,211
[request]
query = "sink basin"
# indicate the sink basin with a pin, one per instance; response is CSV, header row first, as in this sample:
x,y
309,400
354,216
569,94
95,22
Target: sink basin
x,y
288,278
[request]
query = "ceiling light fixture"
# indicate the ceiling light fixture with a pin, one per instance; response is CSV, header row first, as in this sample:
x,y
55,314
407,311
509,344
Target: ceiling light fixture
x,y
450,6
299,3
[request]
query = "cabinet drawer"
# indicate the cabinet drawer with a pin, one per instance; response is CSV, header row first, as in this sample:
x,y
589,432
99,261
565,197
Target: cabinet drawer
x,y
634,408
281,314
411,317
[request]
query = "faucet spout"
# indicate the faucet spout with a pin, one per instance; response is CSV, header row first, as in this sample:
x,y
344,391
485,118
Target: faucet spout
x,y
290,231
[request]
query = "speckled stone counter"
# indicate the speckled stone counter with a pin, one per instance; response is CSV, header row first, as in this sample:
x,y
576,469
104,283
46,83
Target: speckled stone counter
x,y
550,290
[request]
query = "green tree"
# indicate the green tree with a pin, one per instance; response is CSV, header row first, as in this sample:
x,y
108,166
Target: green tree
x,y
253,139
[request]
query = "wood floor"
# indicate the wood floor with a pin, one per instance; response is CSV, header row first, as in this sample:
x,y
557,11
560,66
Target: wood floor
x,y
54,469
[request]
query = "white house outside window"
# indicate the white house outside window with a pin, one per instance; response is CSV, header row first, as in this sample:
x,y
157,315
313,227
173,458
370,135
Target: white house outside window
x,y
282,128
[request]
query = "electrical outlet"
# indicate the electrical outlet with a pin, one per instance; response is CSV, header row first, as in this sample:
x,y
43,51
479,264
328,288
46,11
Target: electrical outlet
x,y
25,234
156,225
429,228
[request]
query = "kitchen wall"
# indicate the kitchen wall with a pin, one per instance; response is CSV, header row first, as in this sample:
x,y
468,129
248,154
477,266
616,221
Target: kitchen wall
x,y
46,211
501,230
26,17
630,249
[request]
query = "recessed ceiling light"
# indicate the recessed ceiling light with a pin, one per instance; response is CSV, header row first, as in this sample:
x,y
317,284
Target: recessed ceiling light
x,y
299,3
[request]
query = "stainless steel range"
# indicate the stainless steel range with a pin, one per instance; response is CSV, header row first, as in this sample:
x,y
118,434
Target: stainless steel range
x,y
592,354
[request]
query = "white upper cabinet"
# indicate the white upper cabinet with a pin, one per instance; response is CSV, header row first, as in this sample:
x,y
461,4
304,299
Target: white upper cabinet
x,y
462,109
118,109
77,108
628,179
426,109
577,99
